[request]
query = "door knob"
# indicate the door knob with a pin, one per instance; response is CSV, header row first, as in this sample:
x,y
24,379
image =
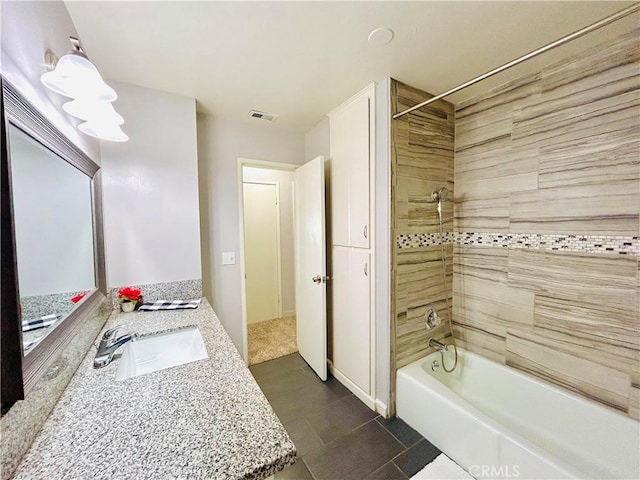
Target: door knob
x,y
320,279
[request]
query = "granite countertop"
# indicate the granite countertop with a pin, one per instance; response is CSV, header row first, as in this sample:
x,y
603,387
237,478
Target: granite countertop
x,y
206,419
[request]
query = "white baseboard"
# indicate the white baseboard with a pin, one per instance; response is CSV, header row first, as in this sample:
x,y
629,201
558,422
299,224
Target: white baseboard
x,y
368,400
289,313
381,408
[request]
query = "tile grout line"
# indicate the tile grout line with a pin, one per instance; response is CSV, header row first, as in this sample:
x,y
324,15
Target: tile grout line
x,y
313,431
367,423
405,449
394,436
308,468
402,453
395,466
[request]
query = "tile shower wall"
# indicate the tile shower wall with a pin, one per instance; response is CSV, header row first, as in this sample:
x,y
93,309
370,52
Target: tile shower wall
x,y
547,203
421,161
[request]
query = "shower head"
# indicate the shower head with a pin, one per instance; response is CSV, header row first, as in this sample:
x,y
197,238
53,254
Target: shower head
x,y
439,195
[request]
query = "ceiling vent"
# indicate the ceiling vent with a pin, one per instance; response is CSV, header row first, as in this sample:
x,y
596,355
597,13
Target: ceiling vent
x,y
269,117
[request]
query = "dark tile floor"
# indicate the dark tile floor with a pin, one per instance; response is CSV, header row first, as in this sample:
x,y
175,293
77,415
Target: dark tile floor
x,y
337,436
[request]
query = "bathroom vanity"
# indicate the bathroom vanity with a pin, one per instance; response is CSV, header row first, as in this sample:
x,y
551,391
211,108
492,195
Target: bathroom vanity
x,y
205,419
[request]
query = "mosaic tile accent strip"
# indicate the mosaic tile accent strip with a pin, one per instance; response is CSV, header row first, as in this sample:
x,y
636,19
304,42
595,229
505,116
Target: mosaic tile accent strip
x,y
417,240
618,244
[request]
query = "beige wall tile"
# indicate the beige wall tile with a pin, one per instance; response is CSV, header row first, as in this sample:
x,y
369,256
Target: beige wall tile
x,y
415,213
584,100
478,341
422,161
490,306
423,215
419,277
585,279
495,160
481,214
511,93
561,130
594,161
570,319
616,356
624,50
415,345
481,262
611,323
484,128
497,186
605,385
595,209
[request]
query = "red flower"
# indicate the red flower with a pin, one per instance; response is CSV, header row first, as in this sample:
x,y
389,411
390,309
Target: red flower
x,y
129,294
78,297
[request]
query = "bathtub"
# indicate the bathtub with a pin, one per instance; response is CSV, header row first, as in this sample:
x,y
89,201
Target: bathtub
x,y
496,422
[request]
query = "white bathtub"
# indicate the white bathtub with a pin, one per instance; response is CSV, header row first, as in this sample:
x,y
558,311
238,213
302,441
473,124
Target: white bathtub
x,y
499,423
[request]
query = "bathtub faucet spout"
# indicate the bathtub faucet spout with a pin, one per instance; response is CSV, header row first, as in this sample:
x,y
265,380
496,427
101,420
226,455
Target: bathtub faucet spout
x,y
438,345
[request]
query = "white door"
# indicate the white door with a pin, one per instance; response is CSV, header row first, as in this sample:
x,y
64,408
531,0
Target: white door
x,y
261,251
310,254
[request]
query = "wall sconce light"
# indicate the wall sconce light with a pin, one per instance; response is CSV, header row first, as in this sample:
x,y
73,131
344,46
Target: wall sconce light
x,y
74,76
104,131
89,110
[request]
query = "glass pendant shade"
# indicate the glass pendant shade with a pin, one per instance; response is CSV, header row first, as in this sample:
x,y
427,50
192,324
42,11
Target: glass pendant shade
x,y
93,111
103,131
76,77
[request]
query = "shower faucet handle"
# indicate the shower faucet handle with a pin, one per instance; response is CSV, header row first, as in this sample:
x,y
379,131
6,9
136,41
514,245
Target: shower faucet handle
x,y
431,318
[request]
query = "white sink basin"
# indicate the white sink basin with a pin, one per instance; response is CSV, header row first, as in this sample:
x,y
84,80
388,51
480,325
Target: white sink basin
x,y
157,352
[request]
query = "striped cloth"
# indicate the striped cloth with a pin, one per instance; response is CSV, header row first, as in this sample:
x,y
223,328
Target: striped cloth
x,y
42,322
169,305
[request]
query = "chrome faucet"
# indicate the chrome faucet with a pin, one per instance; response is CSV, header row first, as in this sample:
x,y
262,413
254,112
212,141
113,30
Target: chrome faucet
x,y
109,344
438,345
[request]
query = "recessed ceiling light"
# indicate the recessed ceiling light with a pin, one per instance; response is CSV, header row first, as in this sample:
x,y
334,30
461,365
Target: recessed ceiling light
x,y
380,36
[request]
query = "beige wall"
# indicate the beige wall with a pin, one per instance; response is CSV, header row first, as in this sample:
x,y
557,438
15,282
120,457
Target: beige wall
x,y
153,178
421,161
220,143
547,179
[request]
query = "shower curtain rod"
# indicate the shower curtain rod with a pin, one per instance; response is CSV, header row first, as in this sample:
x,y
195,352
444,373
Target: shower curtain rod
x,y
535,53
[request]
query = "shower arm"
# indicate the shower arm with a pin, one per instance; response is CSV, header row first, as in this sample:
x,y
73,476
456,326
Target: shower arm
x,y
572,36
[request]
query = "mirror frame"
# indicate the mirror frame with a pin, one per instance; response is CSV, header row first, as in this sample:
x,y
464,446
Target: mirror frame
x,y
19,372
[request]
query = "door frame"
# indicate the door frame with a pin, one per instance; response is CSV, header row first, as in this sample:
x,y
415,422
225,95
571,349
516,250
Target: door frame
x,y
265,164
278,245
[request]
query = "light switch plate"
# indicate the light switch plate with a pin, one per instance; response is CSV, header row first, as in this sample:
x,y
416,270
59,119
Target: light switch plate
x,y
228,258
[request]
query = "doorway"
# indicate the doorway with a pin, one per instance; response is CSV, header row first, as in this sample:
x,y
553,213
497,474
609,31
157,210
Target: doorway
x,y
269,269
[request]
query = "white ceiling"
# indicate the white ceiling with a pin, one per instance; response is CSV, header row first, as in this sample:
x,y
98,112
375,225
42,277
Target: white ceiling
x,y
302,59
